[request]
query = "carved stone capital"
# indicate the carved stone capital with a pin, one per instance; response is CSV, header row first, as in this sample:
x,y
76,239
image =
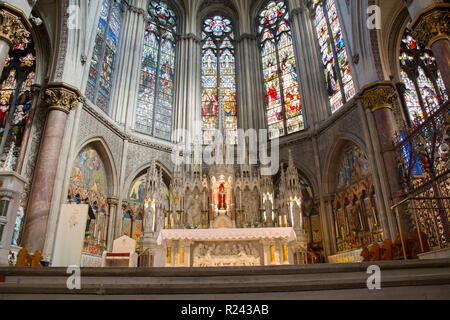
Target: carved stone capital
x,y
13,29
61,97
113,201
378,95
431,24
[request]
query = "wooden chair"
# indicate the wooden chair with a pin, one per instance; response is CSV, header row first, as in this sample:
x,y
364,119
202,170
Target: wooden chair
x,y
123,254
374,252
386,250
365,254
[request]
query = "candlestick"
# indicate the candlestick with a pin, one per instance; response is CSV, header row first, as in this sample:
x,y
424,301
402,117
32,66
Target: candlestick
x,y
285,221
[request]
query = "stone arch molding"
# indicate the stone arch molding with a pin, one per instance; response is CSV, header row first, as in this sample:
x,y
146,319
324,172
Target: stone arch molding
x,y
138,172
330,165
102,148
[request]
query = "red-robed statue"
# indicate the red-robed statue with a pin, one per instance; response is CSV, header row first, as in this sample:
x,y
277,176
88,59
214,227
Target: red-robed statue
x,y
222,198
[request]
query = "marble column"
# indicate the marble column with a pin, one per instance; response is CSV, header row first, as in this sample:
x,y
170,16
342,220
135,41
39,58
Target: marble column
x,y
431,27
112,202
378,97
14,28
61,99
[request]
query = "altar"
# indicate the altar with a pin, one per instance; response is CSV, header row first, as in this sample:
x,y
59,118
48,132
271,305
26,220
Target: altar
x,y
227,247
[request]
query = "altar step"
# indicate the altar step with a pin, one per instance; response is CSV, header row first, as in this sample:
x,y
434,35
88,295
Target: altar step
x,y
418,279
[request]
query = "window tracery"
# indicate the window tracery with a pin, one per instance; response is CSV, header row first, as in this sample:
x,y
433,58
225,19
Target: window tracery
x,y
283,101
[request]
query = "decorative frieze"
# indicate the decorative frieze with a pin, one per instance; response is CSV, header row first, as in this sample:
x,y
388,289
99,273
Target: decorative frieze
x,y
431,24
62,97
378,95
13,25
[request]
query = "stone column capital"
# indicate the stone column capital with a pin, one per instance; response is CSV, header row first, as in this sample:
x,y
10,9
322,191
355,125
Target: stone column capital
x,y
113,201
378,95
61,97
431,24
14,25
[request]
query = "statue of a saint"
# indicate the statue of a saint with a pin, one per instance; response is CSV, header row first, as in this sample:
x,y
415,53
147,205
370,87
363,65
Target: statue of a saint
x,y
149,215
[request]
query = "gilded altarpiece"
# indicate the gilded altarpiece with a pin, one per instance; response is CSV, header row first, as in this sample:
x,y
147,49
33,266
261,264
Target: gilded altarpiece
x,y
356,220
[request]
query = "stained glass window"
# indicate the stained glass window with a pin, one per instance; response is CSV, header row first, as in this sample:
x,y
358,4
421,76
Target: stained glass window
x,y
16,99
218,78
155,100
283,101
103,61
423,90
338,76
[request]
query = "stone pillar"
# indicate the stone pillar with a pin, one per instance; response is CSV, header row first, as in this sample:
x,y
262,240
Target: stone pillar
x,y
11,188
112,202
251,109
431,27
129,64
378,97
14,28
187,101
61,99
309,68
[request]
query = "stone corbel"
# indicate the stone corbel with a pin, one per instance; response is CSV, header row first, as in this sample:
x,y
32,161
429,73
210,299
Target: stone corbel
x,y
61,97
378,95
431,24
14,25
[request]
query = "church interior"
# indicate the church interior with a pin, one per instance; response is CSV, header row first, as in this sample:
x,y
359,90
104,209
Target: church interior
x,y
108,108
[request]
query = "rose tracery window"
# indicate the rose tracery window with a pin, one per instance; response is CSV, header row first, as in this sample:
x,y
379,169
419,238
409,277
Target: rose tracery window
x,y
154,112
218,78
424,90
338,76
283,102
101,71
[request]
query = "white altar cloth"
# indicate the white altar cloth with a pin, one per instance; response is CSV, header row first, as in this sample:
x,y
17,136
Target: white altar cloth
x,y
287,234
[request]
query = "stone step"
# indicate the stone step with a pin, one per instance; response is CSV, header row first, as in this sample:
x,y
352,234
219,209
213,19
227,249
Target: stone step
x,y
431,276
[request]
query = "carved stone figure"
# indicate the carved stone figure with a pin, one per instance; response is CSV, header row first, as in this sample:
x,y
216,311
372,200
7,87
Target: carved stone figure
x,y
149,215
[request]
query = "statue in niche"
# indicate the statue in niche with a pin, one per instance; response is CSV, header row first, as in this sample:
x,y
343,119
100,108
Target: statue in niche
x,y
268,206
222,205
297,215
193,211
149,215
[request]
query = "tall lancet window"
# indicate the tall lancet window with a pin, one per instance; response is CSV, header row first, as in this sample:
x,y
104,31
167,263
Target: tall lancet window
x,y
335,61
423,89
103,61
281,84
218,78
154,112
15,100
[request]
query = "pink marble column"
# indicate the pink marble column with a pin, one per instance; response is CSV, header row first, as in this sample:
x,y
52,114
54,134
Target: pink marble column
x,y
60,99
379,97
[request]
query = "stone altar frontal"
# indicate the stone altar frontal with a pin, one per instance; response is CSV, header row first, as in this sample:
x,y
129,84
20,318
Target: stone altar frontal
x,y
227,247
